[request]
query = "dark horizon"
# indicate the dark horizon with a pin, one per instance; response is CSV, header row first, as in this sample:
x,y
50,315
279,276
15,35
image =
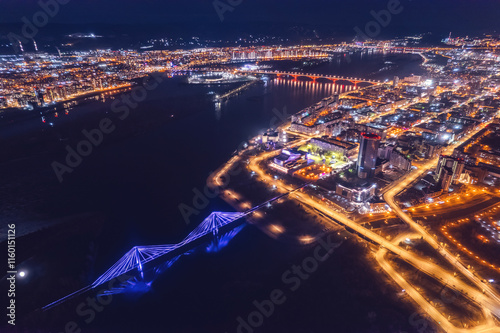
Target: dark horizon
x,y
200,17
250,166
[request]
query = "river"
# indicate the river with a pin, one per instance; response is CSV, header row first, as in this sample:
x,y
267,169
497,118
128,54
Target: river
x,y
127,192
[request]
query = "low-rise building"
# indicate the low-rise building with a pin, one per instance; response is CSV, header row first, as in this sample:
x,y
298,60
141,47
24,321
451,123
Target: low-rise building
x,y
330,144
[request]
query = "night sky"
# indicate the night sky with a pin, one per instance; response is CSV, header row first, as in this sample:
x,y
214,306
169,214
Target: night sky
x,y
475,16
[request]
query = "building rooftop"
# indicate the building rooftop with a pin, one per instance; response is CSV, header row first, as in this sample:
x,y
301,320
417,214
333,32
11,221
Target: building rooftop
x,y
371,136
336,142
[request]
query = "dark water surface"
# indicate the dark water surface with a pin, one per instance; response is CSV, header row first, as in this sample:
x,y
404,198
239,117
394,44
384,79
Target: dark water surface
x,y
127,193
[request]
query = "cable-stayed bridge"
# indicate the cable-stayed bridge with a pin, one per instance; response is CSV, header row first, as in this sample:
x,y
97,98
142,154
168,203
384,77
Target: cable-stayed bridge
x,y
137,257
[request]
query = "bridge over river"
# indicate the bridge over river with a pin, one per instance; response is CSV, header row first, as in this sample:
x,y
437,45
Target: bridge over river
x,y
134,261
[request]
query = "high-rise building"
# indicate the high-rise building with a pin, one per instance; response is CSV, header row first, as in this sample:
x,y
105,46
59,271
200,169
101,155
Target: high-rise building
x,y
449,170
336,98
367,157
395,81
446,178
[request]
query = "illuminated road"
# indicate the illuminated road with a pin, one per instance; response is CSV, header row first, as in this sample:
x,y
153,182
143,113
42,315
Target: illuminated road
x,y
403,184
434,313
450,204
485,297
421,263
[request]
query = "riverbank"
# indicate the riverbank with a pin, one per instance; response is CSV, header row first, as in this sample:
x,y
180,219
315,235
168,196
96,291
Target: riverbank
x,y
10,115
156,159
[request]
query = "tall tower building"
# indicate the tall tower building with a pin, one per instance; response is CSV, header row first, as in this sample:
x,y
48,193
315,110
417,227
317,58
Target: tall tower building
x,y
449,170
395,81
367,157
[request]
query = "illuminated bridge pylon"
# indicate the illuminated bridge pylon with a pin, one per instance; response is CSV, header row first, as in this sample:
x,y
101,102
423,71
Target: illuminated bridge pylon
x,y
212,224
136,257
